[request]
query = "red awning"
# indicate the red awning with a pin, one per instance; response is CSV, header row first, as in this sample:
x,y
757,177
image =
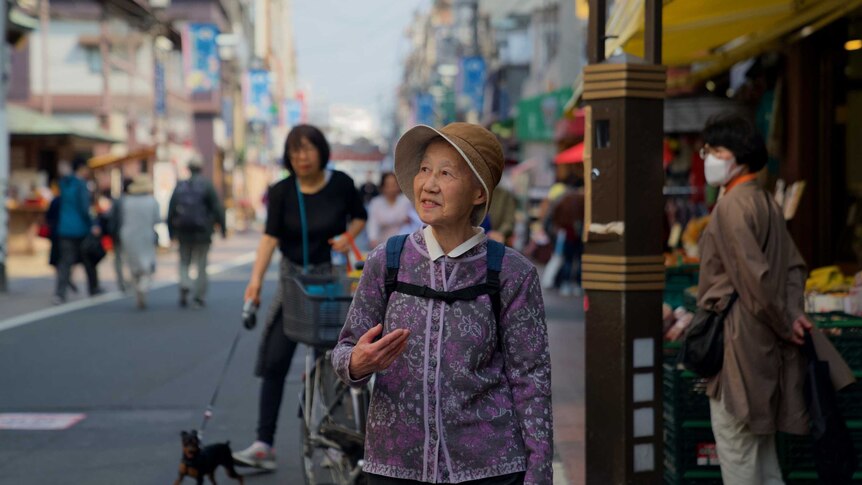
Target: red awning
x,y
571,155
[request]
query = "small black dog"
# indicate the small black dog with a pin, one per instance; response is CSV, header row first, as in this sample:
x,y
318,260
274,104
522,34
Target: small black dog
x,y
200,462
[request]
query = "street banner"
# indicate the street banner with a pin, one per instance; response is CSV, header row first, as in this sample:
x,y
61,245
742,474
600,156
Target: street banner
x,y
258,100
473,81
227,115
537,116
292,112
160,89
200,54
424,109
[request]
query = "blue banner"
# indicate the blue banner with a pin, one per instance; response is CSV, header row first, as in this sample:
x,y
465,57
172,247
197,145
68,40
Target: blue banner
x,y
292,112
201,57
258,100
424,109
161,91
227,115
473,81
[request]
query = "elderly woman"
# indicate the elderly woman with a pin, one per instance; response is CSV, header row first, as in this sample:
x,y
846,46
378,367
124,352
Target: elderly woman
x,y
747,253
456,337
139,214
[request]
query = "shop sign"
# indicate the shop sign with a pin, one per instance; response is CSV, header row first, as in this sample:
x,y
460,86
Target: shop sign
x,y
201,57
292,112
258,100
473,81
160,89
424,109
538,116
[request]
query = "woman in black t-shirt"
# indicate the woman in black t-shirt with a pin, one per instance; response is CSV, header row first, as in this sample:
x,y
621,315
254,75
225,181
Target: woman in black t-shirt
x,y
333,207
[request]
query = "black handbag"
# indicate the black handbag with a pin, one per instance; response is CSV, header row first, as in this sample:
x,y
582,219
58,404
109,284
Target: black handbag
x,y
834,454
93,249
702,350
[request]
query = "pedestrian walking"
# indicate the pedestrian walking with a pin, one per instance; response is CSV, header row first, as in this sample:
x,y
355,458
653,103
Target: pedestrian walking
x,y
463,379
369,189
52,219
389,212
74,227
113,223
138,217
501,215
331,200
748,256
194,212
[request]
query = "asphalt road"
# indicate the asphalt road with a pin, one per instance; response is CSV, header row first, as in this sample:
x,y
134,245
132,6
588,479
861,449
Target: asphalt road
x,y
140,377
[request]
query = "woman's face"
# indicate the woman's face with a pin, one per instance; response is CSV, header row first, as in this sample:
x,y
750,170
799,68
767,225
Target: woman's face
x,y
445,190
390,188
305,158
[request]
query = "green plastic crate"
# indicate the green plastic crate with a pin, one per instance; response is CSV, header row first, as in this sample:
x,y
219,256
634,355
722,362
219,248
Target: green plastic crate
x,y
683,446
795,452
684,395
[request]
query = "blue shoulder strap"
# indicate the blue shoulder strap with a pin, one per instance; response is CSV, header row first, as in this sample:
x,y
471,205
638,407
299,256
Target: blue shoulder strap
x,y
496,250
394,245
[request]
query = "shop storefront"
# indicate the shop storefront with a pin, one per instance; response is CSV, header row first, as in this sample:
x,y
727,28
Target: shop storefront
x,y
796,69
37,143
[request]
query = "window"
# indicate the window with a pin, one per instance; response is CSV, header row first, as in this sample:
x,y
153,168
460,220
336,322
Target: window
x,y
94,59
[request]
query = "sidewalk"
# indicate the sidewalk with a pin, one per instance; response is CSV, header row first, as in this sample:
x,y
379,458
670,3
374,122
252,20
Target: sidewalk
x,y
565,320
32,279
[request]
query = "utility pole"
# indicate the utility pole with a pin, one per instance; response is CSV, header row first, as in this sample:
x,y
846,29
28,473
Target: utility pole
x,y
4,146
623,266
44,26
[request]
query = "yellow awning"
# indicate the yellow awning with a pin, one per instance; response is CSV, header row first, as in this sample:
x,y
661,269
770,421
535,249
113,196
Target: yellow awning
x,y
712,35
110,159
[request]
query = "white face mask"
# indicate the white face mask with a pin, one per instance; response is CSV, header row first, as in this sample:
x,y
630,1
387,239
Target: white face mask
x,y
718,171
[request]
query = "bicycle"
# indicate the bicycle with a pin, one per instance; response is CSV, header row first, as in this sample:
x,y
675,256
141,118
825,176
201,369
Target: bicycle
x,y
333,414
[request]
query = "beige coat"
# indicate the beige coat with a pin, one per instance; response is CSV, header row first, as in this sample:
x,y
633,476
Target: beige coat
x,y
762,378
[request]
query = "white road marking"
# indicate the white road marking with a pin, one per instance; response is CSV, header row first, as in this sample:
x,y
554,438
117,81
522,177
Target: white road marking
x,y
20,320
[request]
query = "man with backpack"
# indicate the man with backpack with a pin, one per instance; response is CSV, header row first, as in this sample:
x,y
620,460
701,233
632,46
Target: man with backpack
x,y
193,213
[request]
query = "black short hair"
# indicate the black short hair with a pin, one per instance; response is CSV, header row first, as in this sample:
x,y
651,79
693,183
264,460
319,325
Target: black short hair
x,y
738,134
314,136
384,176
78,162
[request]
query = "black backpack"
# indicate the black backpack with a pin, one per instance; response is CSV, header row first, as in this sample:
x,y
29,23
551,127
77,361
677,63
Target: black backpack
x,y
191,212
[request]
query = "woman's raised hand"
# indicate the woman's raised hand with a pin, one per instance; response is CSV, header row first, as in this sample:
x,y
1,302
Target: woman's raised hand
x,y
369,356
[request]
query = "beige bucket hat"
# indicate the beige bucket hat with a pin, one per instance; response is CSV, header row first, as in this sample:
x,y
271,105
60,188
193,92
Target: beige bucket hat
x,y
141,184
478,146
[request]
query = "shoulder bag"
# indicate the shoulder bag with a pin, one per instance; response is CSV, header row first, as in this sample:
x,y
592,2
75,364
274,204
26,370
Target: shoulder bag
x,y
702,350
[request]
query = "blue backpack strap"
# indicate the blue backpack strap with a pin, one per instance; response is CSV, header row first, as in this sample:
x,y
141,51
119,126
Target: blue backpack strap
x,y
394,246
496,251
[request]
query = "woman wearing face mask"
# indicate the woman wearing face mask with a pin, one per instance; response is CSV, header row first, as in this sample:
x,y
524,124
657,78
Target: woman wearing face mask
x,y
747,251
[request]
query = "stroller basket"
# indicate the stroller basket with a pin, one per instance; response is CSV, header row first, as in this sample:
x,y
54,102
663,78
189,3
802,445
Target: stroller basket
x,y
315,307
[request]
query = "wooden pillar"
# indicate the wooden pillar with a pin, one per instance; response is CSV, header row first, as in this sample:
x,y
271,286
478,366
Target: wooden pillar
x,y
623,266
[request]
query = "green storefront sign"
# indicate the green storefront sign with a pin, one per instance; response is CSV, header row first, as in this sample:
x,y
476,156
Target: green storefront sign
x,y
538,116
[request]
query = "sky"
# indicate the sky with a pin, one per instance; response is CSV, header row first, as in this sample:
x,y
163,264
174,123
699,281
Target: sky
x,y
349,52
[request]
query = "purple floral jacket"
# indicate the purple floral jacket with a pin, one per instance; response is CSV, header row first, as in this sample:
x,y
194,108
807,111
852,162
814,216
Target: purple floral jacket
x,y
455,407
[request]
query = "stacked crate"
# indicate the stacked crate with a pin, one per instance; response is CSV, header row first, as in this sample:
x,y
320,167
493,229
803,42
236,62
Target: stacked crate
x,y
677,280
690,457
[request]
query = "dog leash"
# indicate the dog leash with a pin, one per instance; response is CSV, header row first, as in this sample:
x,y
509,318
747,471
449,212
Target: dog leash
x,y
209,411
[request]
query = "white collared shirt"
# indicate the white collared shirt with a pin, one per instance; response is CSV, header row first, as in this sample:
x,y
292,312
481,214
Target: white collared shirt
x,y
436,252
